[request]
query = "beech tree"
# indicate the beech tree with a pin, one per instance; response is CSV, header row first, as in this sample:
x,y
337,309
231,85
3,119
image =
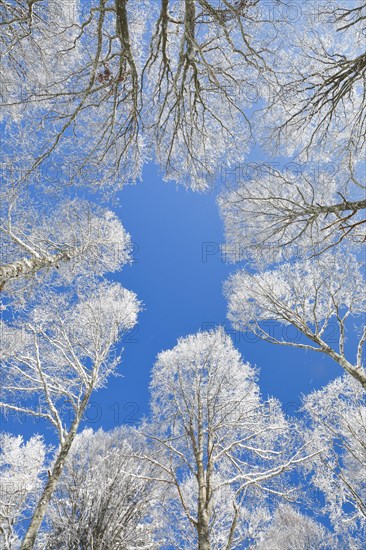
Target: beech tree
x,y
314,296
21,467
65,350
104,498
316,102
199,70
82,96
283,215
47,237
120,82
313,109
95,90
219,447
336,421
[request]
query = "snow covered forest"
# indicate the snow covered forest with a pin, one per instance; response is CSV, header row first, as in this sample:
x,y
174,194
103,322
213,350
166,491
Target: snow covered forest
x,y
261,104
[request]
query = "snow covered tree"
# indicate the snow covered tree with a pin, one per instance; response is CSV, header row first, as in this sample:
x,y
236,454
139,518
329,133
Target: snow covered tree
x,y
337,426
81,97
313,109
42,236
314,296
291,530
200,69
21,468
220,449
119,83
280,215
316,101
104,498
65,350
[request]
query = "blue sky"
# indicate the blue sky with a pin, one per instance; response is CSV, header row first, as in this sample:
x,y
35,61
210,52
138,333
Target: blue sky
x,y
178,273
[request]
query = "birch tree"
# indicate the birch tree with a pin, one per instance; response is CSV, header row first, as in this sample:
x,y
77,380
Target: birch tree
x,y
220,448
65,350
104,498
336,421
318,298
21,467
44,237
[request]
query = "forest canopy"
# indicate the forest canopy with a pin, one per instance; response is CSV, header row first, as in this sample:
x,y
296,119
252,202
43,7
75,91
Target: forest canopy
x,y
263,104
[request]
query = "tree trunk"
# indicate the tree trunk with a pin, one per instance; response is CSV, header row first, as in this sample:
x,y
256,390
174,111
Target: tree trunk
x,y
358,373
189,27
30,266
203,512
40,511
203,533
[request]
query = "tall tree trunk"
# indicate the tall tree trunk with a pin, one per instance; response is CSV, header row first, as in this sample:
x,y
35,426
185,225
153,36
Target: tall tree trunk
x,y
203,512
40,511
30,266
203,533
